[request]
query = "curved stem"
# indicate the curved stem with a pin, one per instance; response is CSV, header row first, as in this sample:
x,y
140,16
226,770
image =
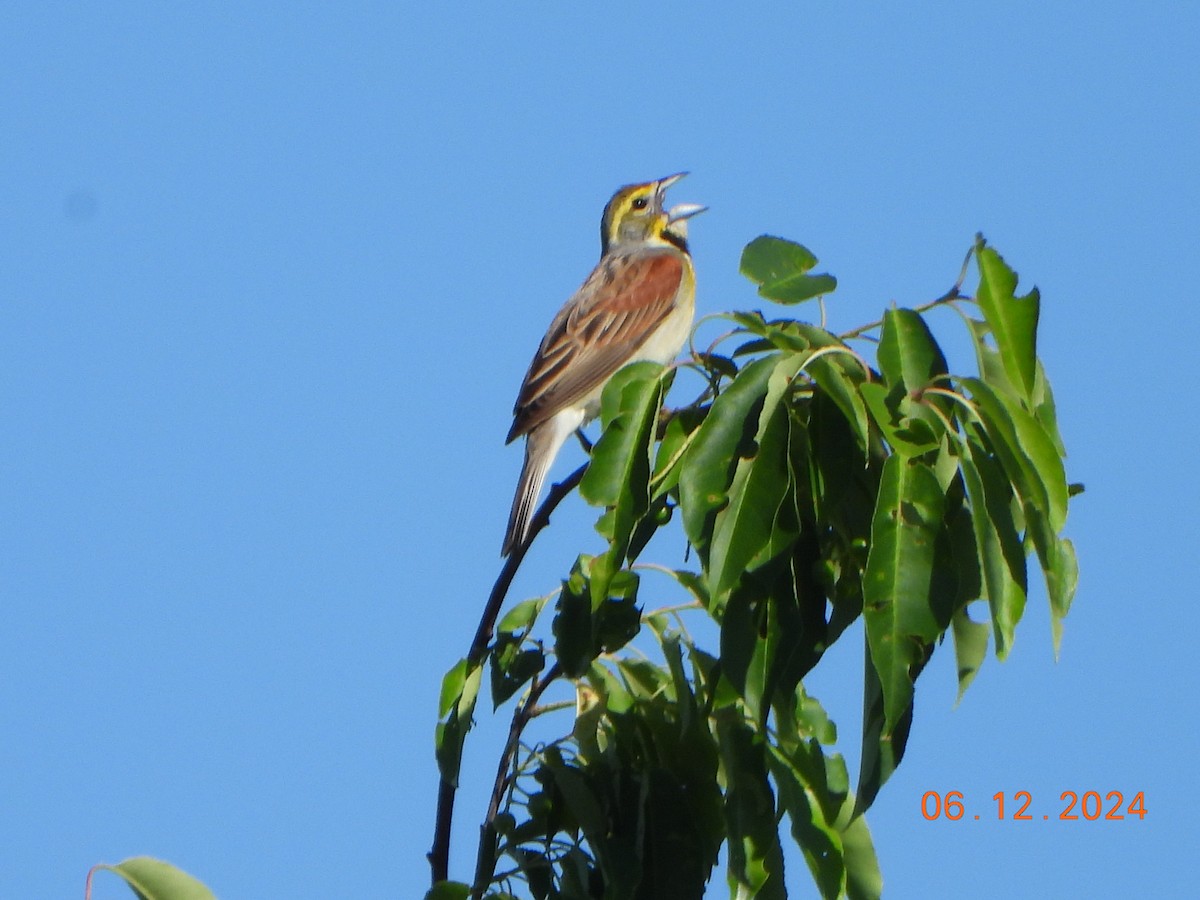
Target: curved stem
x,y
487,623
485,861
955,293
439,853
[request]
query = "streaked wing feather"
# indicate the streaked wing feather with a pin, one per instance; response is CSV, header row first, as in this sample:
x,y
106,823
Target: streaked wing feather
x,y
621,304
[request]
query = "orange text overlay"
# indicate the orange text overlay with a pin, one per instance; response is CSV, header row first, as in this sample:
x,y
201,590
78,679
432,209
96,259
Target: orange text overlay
x,y
1071,806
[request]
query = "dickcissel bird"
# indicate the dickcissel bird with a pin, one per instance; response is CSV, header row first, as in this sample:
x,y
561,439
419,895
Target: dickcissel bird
x,y
637,304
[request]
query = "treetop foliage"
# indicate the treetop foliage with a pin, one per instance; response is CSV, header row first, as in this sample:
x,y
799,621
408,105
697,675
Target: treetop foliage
x,y
813,487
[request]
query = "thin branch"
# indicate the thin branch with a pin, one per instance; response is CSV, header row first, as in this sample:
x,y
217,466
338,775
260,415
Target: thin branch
x,y
485,862
551,708
947,298
439,853
487,623
955,293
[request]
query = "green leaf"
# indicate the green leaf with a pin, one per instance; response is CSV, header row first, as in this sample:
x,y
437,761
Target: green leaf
x,y
668,461
522,616
618,473
864,881
970,648
908,355
817,839
574,638
1043,402
883,745
610,688
450,734
153,879
1030,459
884,407
761,484
1061,587
798,288
585,794
755,856
1012,319
512,667
897,607
987,358
779,268
452,687
709,463
1028,453
449,890
766,259
839,374
618,619
1001,554
643,679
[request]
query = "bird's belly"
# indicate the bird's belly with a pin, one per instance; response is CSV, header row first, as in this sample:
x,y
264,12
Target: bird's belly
x,y
668,339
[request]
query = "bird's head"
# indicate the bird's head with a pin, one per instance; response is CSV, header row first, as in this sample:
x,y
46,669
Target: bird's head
x,y
636,214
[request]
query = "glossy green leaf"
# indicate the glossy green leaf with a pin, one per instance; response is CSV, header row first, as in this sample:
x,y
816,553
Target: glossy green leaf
x,y
668,461
798,288
767,259
839,374
883,744
463,685
1012,319
452,687
779,269
522,616
1028,453
1030,459
1064,578
760,486
1044,410
897,583
987,358
618,473
755,855
1001,554
970,648
864,881
153,879
909,357
818,840
512,667
883,404
708,465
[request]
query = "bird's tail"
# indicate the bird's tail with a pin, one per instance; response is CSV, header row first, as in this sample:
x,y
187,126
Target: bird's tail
x,y
541,446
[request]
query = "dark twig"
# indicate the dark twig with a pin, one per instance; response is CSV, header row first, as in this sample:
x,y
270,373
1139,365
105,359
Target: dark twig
x,y
485,863
439,853
487,623
955,293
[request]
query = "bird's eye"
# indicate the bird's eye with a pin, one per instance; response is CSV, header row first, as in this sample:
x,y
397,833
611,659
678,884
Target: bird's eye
x,y
640,203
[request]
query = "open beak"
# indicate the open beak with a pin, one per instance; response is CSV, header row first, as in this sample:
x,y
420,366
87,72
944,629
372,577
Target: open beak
x,y
682,211
664,183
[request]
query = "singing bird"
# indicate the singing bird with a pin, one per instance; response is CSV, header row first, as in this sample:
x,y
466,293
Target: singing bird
x,y
638,304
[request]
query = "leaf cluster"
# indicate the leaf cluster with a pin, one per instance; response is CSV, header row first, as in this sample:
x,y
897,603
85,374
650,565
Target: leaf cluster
x,y
814,488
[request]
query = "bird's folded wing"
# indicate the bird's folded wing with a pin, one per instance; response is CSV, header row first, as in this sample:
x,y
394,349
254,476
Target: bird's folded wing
x,y
621,304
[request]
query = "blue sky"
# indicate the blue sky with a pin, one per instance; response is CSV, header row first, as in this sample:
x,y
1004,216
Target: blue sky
x,y
269,280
